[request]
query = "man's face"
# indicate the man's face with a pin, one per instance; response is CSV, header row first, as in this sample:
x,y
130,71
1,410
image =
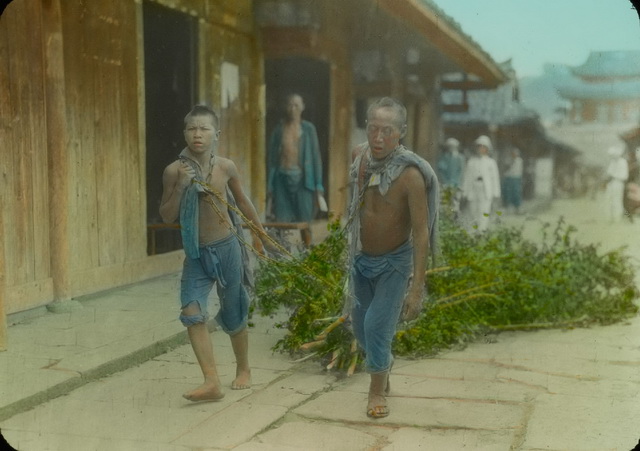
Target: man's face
x,y
383,132
295,107
200,133
482,150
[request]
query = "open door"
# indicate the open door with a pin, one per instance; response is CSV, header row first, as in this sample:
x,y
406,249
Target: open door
x,y
170,56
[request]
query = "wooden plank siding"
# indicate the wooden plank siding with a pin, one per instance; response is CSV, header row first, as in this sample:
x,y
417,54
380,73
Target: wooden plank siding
x,y
73,120
24,159
101,110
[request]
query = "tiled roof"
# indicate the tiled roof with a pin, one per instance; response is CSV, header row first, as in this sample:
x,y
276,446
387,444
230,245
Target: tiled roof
x,y
614,90
610,64
455,25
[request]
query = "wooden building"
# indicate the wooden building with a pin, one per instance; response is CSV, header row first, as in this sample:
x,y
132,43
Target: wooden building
x,y
94,94
549,165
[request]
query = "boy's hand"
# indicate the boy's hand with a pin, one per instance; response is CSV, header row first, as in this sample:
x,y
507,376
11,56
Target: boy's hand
x,y
185,174
257,244
271,248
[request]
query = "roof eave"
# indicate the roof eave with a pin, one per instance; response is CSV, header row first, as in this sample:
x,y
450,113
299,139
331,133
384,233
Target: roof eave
x,y
448,39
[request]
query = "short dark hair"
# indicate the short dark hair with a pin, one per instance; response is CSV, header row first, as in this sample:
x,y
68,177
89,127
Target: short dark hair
x,y
203,110
291,95
388,102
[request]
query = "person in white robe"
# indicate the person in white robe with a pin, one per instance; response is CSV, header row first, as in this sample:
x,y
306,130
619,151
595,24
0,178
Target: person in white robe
x,y
481,186
617,175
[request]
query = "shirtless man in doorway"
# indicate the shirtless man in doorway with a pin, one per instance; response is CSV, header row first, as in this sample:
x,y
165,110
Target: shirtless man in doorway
x,y
294,168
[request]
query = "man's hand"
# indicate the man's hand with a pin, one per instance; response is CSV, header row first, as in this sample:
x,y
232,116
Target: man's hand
x,y
412,305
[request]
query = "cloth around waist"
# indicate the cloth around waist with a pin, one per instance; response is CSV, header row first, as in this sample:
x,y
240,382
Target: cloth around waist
x,y
400,259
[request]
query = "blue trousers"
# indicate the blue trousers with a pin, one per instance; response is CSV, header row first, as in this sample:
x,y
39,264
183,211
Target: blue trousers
x,y
380,285
512,187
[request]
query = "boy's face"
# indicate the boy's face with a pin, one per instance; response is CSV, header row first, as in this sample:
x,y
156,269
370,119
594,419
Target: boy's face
x,y
383,132
200,133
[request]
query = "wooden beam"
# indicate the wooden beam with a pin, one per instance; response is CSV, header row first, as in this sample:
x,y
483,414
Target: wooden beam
x,y
466,85
455,108
3,291
373,89
57,142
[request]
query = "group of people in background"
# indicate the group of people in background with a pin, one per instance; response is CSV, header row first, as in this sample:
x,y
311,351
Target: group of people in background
x,y
476,182
477,185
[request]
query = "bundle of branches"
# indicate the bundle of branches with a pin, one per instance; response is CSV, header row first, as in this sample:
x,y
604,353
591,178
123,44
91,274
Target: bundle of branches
x,y
311,287
488,282
501,281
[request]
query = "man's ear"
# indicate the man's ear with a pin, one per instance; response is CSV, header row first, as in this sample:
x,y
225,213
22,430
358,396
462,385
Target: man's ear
x,y
403,131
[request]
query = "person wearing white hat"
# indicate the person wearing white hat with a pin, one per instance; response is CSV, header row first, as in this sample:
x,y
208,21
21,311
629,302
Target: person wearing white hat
x,y
617,175
481,184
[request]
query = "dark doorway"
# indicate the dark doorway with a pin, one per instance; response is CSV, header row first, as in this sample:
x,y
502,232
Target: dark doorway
x,y
311,79
170,80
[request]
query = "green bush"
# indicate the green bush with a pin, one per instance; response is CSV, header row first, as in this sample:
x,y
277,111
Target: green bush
x,y
484,283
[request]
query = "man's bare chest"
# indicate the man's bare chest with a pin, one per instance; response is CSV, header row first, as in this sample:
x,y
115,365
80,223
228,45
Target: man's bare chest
x,y
392,202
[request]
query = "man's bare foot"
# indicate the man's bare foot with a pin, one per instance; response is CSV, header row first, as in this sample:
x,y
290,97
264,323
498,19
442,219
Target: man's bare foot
x,y
377,406
242,380
206,392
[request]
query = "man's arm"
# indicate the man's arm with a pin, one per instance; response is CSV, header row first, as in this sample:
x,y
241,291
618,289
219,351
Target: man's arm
x,y
317,159
419,216
175,180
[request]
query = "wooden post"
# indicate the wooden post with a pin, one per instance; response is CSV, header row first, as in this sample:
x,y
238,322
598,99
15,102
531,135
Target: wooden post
x,y
3,291
57,149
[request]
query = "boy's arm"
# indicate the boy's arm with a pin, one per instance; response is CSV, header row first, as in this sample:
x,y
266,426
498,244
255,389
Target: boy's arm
x,y
245,205
175,180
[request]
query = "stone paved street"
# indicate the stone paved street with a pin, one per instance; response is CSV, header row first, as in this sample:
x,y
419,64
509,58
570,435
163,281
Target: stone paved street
x,y
546,390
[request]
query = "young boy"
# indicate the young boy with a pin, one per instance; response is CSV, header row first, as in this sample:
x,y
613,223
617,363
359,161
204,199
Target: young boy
x,y
213,251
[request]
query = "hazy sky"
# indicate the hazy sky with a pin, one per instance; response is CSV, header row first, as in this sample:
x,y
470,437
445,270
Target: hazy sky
x,y
535,32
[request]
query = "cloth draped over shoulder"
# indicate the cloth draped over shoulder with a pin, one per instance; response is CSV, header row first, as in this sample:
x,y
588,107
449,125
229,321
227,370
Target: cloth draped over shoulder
x,y
190,214
309,157
389,171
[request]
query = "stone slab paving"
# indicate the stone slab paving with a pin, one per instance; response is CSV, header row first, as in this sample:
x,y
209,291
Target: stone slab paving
x,y
547,390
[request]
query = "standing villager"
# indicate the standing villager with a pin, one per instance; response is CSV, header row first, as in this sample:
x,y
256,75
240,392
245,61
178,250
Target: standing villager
x,y
392,213
617,175
451,164
213,252
481,186
513,181
450,169
294,166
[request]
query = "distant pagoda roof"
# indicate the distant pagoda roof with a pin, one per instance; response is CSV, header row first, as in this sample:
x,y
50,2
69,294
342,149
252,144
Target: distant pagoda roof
x,y
610,64
577,89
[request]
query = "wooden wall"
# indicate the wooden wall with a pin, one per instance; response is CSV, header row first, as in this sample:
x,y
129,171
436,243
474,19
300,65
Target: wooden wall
x,y
23,158
73,154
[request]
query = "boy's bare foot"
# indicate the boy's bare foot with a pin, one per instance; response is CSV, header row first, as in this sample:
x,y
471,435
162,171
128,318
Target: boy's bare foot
x,y
377,406
206,392
242,380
